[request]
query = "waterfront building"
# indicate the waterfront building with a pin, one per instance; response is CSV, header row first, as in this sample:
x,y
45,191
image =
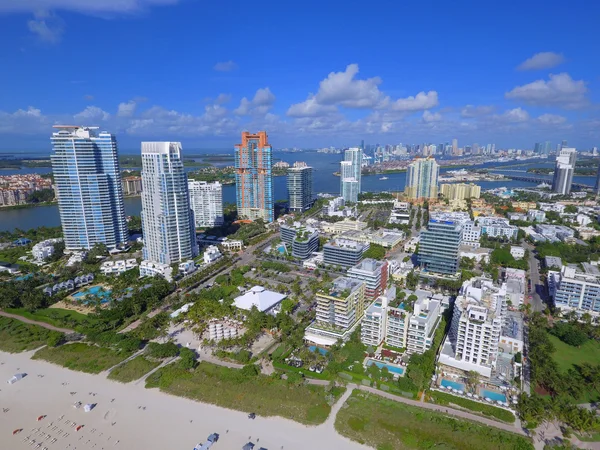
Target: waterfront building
x,y
422,179
497,227
340,308
87,178
45,249
460,191
343,252
206,201
254,177
439,246
299,186
303,241
349,185
355,156
373,273
476,327
564,171
132,185
167,219
576,289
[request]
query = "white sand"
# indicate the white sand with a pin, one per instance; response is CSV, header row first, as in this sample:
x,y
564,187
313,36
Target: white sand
x,y
122,424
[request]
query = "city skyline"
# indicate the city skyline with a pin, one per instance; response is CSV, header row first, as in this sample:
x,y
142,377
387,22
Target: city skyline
x,y
513,91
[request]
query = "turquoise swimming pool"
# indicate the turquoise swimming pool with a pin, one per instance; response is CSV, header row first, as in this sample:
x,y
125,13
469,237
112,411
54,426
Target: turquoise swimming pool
x,y
96,291
492,395
393,369
314,348
281,248
453,384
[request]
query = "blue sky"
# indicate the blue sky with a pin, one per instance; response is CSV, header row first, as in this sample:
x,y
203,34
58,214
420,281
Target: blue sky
x,y
311,73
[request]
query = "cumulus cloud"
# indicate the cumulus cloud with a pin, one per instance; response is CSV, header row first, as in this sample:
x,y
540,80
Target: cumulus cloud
x,y
543,60
310,108
551,119
515,115
222,99
23,121
428,117
226,66
47,26
476,111
417,103
29,112
341,88
91,114
560,91
261,103
126,109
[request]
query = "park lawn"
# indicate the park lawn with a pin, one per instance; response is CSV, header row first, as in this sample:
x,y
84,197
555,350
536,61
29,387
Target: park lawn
x,y
390,425
132,370
54,316
229,388
16,336
567,356
82,357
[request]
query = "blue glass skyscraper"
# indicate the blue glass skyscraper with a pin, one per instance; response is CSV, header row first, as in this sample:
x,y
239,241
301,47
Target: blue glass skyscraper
x,y
87,177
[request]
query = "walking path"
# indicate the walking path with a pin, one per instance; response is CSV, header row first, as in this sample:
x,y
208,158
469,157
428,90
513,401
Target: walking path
x,y
35,322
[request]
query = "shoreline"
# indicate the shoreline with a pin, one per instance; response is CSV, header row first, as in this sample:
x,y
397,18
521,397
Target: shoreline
x,y
136,418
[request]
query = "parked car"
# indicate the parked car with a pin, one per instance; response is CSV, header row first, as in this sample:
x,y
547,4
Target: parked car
x,y
252,416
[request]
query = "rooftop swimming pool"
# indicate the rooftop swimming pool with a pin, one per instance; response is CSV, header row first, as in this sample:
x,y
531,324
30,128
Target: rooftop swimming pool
x,y
453,384
96,291
314,348
492,395
381,365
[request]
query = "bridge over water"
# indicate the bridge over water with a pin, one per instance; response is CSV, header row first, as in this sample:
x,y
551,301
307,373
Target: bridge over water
x,y
540,180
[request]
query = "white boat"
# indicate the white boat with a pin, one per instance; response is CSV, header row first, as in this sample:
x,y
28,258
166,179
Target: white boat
x,y
383,178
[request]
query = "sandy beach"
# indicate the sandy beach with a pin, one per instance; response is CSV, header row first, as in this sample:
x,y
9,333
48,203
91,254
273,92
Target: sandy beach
x,y
128,416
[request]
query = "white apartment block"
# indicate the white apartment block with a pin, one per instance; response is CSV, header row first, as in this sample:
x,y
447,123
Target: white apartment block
x,y
423,322
151,269
206,200
233,245
211,254
476,327
497,227
471,234
536,215
117,267
44,250
517,252
574,289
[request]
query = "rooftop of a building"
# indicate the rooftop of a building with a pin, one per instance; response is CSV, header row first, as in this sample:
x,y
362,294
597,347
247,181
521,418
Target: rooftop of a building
x,y
342,287
513,326
345,243
260,297
368,265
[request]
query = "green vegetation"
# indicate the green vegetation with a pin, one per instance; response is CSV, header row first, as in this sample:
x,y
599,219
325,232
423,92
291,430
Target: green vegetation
x,y
248,391
276,266
442,398
132,370
567,357
201,275
570,333
571,253
375,251
41,196
35,234
16,336
54,316
82,357
501,256
161,351
389,425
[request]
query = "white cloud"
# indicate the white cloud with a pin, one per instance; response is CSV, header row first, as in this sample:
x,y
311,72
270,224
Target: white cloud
x,y
543,60
551,119
310,108
516,115
29,112
23,121
47,26
222,99
476,111
91,114
560,91
428,117
340,88
226,66
82,6
419,102
261,103
127,109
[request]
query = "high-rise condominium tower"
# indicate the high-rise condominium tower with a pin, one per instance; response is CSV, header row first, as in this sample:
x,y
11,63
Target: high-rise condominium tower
x,y
299,186
349,185
564,170
254,177
422,179
355,155
206,200
87,177
167,220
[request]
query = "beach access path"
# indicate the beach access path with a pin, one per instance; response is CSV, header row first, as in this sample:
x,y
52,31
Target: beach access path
x,y
35,322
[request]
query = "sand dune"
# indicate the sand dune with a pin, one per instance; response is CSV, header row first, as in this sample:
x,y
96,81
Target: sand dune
x,y
137,418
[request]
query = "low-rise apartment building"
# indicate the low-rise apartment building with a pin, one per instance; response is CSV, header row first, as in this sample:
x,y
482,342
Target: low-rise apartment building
x,y
373,273
497,227
117,267
574,289
343,252
303,241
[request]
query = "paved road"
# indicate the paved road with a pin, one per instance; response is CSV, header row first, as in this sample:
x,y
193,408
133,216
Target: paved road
x,y
537,287
35,322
